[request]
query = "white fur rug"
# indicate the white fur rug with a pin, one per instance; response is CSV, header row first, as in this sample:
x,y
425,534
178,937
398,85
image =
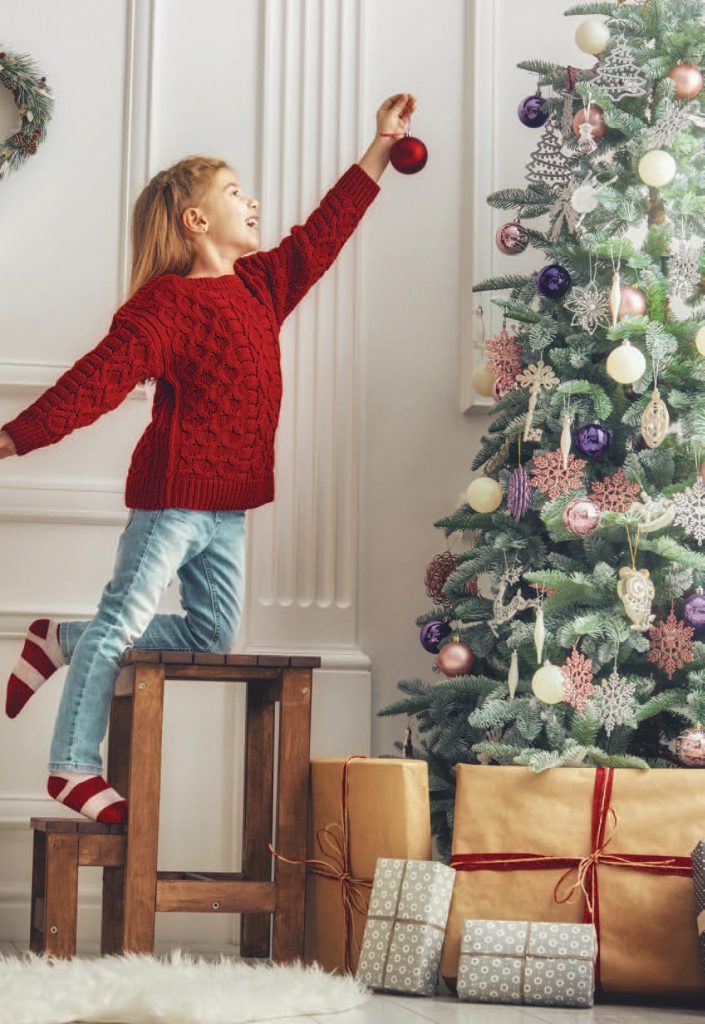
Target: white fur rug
x,y
179,988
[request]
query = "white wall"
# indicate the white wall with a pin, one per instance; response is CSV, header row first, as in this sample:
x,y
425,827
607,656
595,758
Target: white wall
x,y
374,442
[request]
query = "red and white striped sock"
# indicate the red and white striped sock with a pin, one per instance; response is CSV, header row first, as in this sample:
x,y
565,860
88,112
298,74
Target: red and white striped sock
x,y
90,795
40,658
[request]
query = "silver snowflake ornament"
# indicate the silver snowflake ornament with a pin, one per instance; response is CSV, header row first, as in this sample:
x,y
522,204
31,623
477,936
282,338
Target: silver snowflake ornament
x,y
683,266
615,702
690,510
589,306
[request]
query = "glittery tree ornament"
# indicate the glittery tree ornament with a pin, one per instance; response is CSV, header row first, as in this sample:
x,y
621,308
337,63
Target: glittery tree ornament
x,y
549,477
548,163
563,215
578,686
690,747
437,572
589,306
690,510
535,377
673,119
519,493
502,612
615,493
671,644
655,420
636,591
683,266
504,360
615,702
618,75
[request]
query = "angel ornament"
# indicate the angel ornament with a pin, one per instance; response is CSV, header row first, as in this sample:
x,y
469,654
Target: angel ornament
x,y
636,592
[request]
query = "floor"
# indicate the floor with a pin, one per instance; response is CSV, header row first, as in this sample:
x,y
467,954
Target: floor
x,y
445,1009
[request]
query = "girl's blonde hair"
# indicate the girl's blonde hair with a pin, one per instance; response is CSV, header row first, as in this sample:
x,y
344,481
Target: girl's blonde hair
x,y
159,241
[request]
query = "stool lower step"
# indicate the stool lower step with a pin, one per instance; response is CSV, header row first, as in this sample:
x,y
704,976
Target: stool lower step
x,y
226,892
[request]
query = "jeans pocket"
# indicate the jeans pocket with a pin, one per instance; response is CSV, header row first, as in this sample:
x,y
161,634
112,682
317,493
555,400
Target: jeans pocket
x,y
129,518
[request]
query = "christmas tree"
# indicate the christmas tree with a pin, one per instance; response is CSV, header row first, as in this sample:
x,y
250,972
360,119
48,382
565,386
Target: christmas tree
x,y
568,627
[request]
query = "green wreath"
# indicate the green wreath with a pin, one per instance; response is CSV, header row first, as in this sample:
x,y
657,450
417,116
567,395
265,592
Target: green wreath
x,y
18,72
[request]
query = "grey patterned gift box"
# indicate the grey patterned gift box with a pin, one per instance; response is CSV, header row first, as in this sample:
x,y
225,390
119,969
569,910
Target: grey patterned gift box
x,y
405,927
698,858
538,964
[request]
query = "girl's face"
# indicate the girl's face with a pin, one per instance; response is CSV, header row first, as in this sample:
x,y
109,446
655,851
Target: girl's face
x,y
227,216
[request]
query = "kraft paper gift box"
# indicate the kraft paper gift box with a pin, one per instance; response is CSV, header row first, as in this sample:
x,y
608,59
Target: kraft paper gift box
x,y
534,963
406,921
698,859
609,846
387,814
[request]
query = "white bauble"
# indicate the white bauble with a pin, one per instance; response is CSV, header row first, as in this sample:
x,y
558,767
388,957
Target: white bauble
x,y
625,364
482,380
657,168
484,494
592,36
700,340
547,683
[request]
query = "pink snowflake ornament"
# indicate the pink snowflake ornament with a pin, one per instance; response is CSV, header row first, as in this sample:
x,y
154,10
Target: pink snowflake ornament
x,y
578,684
548,475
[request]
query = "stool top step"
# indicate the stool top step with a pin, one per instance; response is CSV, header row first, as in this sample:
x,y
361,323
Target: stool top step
x,y
84,826
201,658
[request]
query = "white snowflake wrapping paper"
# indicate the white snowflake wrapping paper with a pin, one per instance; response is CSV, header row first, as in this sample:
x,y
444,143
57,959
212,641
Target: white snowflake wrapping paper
x,y
698,857
537,964
405,927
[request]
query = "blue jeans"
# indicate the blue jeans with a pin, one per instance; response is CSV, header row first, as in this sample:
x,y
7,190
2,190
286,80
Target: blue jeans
x,y
207,550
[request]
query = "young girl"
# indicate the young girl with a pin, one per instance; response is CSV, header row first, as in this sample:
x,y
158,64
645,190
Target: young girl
x,y
202,318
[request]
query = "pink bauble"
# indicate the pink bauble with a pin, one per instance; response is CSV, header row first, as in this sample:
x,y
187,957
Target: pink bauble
x,y
581,516
688,81
596,119
455,658
631,302
512,238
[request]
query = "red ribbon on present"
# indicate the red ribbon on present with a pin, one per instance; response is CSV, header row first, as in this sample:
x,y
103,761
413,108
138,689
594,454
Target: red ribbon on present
x,y
586,881
336,836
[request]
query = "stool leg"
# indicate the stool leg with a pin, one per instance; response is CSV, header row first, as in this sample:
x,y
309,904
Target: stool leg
x,y
37,923
113,914
292,812
143,791
257,815
61,894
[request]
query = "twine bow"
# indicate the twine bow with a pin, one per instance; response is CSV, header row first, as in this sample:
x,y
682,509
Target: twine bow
x,y
333,842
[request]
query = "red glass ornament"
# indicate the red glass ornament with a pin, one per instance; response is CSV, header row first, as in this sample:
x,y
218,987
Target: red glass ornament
x,y
408,155
455,658
596,119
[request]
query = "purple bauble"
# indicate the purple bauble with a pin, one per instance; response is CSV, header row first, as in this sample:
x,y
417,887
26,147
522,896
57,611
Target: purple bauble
x,y
592,440
581,516
519,492
694,609
533,111
432,633
512,238
553,281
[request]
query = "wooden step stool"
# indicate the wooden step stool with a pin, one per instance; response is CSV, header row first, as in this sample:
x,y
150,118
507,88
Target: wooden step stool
x,y
60,847
134,891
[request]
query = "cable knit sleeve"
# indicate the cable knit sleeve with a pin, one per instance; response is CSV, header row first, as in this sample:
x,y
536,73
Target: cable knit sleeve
x,y
291,268
98,381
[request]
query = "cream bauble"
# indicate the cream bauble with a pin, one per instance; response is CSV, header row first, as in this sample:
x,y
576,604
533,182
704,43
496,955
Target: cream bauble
x,y
484,494
547,683
592,36
657,168
700,340
482,380
625,364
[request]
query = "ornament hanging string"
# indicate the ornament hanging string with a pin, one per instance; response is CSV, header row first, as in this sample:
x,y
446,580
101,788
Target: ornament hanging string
x,y
633,549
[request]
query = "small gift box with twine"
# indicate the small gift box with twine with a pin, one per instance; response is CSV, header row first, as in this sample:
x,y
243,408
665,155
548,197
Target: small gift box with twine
x,y
405,927
698,859
538,963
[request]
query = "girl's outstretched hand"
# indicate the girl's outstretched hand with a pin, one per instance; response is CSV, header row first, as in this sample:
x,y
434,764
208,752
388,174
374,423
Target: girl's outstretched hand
x,y
7,445
394,113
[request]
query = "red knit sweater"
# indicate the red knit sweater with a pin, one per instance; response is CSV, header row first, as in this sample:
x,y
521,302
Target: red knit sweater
x,y
213,345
